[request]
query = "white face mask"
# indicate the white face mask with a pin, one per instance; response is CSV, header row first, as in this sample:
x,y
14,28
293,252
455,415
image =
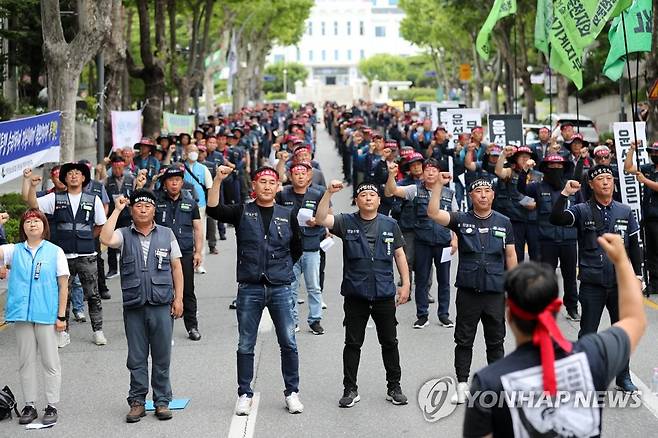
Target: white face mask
x,y
193,156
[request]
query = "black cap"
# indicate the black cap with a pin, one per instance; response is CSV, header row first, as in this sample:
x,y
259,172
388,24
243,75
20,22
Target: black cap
x,y
173,170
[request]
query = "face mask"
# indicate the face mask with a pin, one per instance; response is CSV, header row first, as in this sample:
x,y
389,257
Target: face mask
x,y
654,158
193,156
554,177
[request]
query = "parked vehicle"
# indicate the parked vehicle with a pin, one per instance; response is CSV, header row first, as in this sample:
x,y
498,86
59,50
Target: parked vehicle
x,y
582,124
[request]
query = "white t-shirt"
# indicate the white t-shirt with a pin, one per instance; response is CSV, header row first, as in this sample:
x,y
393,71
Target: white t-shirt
x,y
47,205
62,263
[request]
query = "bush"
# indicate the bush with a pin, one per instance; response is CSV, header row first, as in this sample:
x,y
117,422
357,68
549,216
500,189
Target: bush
x,y
13,204
416,94
6,109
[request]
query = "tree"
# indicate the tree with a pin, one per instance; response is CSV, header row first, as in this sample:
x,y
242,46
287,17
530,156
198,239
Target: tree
x,y
652,74
65,61
383,67
294,72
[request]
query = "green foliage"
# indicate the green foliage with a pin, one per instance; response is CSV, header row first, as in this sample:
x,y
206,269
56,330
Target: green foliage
x,y
417,94
6,109
384,67
13,204
294,72
607,135
275,96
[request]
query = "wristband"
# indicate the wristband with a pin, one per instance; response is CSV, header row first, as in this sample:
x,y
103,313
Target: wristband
x,y
61,318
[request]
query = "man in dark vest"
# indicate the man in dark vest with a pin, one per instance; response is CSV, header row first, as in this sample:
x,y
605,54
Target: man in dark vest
x,y
77,218
299,195
556,243
430,240
600,215
152,288
549,367
268,246
119,183
486,250
371,241
176,209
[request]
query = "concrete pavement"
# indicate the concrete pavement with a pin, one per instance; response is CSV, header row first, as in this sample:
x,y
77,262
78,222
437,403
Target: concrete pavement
x,y
95,379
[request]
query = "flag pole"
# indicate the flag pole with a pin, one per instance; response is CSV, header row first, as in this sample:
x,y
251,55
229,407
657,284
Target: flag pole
x,y
514,75
550,87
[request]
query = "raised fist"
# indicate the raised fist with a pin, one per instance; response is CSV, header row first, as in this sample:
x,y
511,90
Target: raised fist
x,y
335,186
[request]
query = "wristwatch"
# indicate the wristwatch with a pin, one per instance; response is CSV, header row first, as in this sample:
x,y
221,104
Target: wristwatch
x,y
61,318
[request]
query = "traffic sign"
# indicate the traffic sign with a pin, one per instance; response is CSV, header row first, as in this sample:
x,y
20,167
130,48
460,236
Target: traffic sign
x,y
465,73
653,91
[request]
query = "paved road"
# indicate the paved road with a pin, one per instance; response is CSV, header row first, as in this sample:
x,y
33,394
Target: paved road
x,y
95,380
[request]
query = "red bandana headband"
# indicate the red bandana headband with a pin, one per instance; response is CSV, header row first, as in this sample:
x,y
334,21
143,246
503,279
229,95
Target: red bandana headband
x,y
31,215
266,172
545,333
300,166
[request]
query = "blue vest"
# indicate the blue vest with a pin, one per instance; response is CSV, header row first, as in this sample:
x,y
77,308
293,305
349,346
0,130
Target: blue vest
x,y
650,197
74,234
407,210
33,292
177,215
547,231
482,264
264,257
311,236
426,230
199,171
594,267
368,274
149,282
508,197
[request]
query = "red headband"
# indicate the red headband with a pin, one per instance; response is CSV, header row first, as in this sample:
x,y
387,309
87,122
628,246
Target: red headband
x,y
545,333
266,172
300,166
32,214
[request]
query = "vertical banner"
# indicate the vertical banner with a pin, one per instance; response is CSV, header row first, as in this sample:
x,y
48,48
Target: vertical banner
x,y
630,188
177,123
126,128
28,142
408,105
506,129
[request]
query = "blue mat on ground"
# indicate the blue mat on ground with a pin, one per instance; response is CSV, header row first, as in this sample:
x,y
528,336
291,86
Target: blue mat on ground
x,y
175,404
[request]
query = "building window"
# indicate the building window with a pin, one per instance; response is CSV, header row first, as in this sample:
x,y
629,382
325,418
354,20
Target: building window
x,y
322,28
336,55
349,54
392,2
310,28
349,28
299,55
361,28
362,54
380,31
324,55
335,28
278,58
310,55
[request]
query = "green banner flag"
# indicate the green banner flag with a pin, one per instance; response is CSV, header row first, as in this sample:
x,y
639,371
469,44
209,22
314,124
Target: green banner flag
x,y
500,9
639,25
543,23
576,24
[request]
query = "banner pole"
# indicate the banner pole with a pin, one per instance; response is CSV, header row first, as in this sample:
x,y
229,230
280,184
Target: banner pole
x,y
550,88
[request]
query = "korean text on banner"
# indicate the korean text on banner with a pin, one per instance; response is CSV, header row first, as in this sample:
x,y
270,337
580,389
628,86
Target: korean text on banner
x,y
506,129
126,129
630,188
177,123
462,120
28,142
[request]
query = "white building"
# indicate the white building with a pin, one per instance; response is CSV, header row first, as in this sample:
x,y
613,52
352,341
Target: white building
x,y
339,33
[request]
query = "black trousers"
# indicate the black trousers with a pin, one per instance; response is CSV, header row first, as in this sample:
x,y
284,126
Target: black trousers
x,y
567,254
357,313
100,266
112,257
323,264
189,298
473,307
526,232
651,250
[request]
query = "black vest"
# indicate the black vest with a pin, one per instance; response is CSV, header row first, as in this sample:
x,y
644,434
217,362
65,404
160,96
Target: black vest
x,y
264,257
426,230
74,234
177,215
547,231
650,198
407,210
368,274
95,188
481,264
311,236
149,282
114,191
508,197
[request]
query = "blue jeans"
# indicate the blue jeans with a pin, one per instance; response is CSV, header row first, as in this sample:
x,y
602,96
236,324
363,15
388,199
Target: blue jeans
x,y
77,297
309,265
424,256
251,301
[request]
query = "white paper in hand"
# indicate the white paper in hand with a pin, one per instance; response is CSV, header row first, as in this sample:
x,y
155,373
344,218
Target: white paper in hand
x,y
446,255
327,243
304,214
526,200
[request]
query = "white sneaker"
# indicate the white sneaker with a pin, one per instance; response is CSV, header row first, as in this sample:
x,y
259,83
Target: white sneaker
x,y
200,270
63,339
324,305
459,397
293,404
99,338
243,406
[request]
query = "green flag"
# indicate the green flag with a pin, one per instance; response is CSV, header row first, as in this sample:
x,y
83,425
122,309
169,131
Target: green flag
x,y
576,24
639,24
500,9
543,23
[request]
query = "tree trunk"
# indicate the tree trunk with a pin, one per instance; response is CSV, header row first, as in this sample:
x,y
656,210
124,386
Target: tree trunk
x,y
62,93
184,87
114,54
154,82
562,94
529,96
494,106
652,74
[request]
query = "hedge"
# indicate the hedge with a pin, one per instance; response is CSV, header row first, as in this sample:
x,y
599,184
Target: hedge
x,y
13,204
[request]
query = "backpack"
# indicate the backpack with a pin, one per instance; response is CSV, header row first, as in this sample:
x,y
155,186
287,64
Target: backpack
x,y
7,403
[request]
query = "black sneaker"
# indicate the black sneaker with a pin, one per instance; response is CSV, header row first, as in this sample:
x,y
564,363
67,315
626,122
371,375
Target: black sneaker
x,y
233,305
28,415
105,295
49,416
316,328
194,334
395,396
430,299
421,322
222,237
573,315
444,321
350,397
111,274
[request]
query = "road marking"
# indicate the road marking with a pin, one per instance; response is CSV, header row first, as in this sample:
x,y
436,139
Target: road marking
x,y
649,303
649,400
243,426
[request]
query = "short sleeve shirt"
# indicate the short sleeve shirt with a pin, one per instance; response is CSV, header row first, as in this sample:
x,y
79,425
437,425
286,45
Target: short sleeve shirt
x,y
62,263
469,220
145,241
370,228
